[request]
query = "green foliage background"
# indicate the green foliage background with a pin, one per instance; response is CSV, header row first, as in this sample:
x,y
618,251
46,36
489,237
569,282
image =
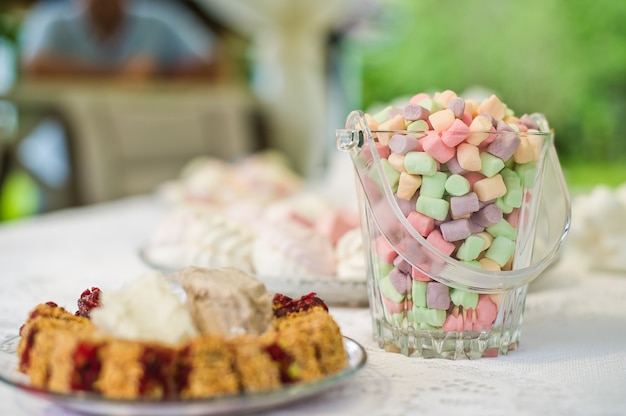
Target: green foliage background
x,y
564,58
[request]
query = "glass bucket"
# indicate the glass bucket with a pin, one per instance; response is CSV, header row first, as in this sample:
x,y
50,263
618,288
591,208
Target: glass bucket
x,y
430,297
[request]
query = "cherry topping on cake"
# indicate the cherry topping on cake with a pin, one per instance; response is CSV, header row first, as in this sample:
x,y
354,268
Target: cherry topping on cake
x,y
283,304
88,300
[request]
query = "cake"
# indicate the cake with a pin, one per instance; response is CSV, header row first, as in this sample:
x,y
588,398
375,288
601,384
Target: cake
x,y
65,352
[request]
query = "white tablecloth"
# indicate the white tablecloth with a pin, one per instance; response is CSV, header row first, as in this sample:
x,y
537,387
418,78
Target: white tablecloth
x,y
571,360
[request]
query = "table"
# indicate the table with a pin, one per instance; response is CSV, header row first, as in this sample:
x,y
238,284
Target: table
x,y
571,360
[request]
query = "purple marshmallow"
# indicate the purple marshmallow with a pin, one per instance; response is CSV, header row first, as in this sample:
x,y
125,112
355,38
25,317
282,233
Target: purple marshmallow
x,y
488,215
465,204
437,296
455,230
407,206
457,105
504,146
415,112
402,265
402,144
475,228
400,281
503,126
454,167
528,122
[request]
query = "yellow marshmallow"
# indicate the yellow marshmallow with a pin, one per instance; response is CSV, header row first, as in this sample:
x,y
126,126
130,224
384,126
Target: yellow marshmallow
x,y
396,160
468,157
493,106
490,188
479,127
408,185
397,122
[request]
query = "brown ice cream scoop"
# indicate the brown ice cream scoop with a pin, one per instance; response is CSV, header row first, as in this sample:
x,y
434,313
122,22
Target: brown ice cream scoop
x,y
226,301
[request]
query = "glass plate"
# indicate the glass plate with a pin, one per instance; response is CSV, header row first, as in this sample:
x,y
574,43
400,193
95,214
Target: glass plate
x,y
334,292
97,405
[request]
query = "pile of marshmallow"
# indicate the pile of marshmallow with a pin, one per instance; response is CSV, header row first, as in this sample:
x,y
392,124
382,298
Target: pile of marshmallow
x,y
459,170
598,232
259,216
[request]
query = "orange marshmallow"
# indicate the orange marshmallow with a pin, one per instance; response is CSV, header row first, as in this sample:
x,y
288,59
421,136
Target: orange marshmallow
x,y
479,127
493,106
396,160
408,185
488,264
537,143
397,122
525,151
490,188
444,97
468,157
442,120
471,107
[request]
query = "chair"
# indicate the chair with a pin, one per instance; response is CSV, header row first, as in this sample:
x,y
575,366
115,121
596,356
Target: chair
x,y
126,141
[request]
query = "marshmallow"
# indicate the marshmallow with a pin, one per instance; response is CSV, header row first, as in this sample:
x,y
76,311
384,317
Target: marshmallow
x,y
415,112
465,204
434,186
457,185
407,185
468,156
420,163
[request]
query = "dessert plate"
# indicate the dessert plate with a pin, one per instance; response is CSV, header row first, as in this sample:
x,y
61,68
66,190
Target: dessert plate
x,y
90,403
333,291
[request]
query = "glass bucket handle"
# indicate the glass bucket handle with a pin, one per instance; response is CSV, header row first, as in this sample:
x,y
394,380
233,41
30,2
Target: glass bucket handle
x,y
549,229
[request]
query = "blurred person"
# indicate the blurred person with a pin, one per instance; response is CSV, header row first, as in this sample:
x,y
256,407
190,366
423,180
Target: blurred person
x,y
115,38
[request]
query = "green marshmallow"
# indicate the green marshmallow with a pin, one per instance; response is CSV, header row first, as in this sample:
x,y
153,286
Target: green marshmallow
x,y
381,269
490,164
506,208
527,173
389,291
501,250
382,115
430,104
503,229
468,300
432,207
473,263
434,186
418,125
420,163
391,175
514,193
418,293
470,248
430,317
396,319
457,185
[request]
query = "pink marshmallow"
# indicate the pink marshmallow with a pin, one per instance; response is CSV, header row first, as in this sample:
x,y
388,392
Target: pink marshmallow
x,y
436,148
335,224
486,313
418,97
423,224
436,239
395,307
455,134
383,250
416,274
